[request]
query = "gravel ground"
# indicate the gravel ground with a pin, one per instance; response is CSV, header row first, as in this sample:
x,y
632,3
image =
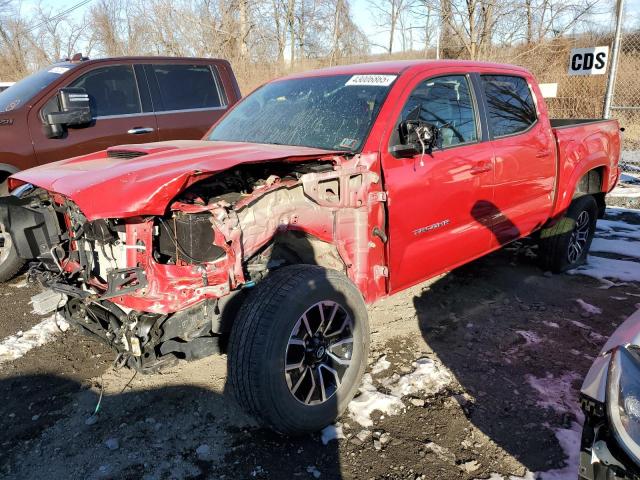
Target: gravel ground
x,y
477,372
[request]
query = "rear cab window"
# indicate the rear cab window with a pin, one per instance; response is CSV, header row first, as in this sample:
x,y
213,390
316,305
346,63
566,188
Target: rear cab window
x,y
510,106
187,87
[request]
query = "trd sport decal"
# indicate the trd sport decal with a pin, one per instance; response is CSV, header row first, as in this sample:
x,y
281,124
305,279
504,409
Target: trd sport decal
x,y
433,226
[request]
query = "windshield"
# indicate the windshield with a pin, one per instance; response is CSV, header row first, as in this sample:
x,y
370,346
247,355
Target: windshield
x,y
331,113
17,95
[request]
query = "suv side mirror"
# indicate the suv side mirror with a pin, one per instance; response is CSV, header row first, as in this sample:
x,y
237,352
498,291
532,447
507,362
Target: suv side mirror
x,y
415,136
75,111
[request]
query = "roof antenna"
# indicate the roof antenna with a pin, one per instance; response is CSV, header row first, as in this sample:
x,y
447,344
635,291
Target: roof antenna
x,y
78,58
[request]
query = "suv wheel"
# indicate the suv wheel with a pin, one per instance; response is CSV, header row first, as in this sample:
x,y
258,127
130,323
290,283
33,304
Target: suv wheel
x,y
298,348
566,244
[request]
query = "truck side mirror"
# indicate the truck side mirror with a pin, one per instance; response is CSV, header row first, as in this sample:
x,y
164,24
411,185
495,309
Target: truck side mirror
x,y
415,136
74,111
423,133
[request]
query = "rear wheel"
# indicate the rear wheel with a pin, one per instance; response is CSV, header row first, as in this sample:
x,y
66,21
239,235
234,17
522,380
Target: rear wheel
x,y
298,348
566,244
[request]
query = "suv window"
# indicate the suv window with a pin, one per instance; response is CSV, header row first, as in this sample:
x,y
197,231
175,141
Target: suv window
x,y
112,90
185,87
445,102
511,106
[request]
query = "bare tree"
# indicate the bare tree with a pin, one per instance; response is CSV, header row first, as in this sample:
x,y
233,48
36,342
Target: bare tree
x,y
388,14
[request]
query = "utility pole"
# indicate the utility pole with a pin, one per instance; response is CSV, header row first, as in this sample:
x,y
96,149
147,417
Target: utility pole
x,y
613,69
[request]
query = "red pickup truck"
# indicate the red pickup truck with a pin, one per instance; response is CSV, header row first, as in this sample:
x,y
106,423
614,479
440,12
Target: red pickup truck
x,y
315,195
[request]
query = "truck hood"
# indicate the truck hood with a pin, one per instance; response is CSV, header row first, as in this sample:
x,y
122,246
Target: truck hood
x,y
131,180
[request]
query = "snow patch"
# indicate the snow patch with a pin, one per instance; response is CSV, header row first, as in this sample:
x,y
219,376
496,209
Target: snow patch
x,y
607,284
626,190
428,378
551,324
617,228
496,476
17,345
369,400
313,471
613,211
530,337
331,432
630,156
587,307
626,248
557,393
569,439
607,268
581,325
381,365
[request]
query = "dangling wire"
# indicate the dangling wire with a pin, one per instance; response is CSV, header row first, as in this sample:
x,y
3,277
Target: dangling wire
x,y
97,409
424,148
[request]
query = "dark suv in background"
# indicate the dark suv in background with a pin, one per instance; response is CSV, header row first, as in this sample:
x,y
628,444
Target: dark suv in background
x,y
130,100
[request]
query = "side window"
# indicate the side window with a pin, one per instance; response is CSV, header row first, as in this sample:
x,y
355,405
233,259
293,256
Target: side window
x,y
511,106
445,102
184,87
112,90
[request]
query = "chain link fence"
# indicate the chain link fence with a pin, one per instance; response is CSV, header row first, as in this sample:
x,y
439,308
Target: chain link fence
x,y
584,96
625,105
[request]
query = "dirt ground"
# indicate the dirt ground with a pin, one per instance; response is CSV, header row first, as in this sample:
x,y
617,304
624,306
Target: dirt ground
x,y
512,342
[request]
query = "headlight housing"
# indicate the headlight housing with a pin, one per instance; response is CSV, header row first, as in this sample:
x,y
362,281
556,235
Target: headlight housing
x,y
623,403
21,190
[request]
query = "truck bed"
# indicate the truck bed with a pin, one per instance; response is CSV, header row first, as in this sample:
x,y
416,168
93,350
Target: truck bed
x,y
571,122
584,145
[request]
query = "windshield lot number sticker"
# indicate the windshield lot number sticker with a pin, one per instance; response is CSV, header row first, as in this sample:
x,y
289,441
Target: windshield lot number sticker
x,y
59,70
371,80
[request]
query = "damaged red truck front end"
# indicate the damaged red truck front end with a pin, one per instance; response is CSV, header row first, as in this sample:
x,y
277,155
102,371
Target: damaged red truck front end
x,y
313,196
145,252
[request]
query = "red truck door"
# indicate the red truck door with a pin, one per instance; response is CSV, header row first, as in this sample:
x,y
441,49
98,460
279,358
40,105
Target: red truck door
x,y
439,203
188,99
525,161
122,110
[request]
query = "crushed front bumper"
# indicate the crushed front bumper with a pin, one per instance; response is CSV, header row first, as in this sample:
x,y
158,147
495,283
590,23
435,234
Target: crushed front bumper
x,y
151,314
601,458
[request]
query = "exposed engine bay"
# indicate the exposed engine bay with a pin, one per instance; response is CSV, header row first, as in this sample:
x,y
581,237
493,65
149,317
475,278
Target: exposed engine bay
x,y
158,289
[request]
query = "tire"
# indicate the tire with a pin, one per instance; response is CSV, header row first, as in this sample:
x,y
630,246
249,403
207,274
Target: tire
x,y
270,332
10,262
566,244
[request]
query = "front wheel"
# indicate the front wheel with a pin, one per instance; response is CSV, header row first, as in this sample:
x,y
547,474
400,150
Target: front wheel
x,y
298,348
566,244
10,262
